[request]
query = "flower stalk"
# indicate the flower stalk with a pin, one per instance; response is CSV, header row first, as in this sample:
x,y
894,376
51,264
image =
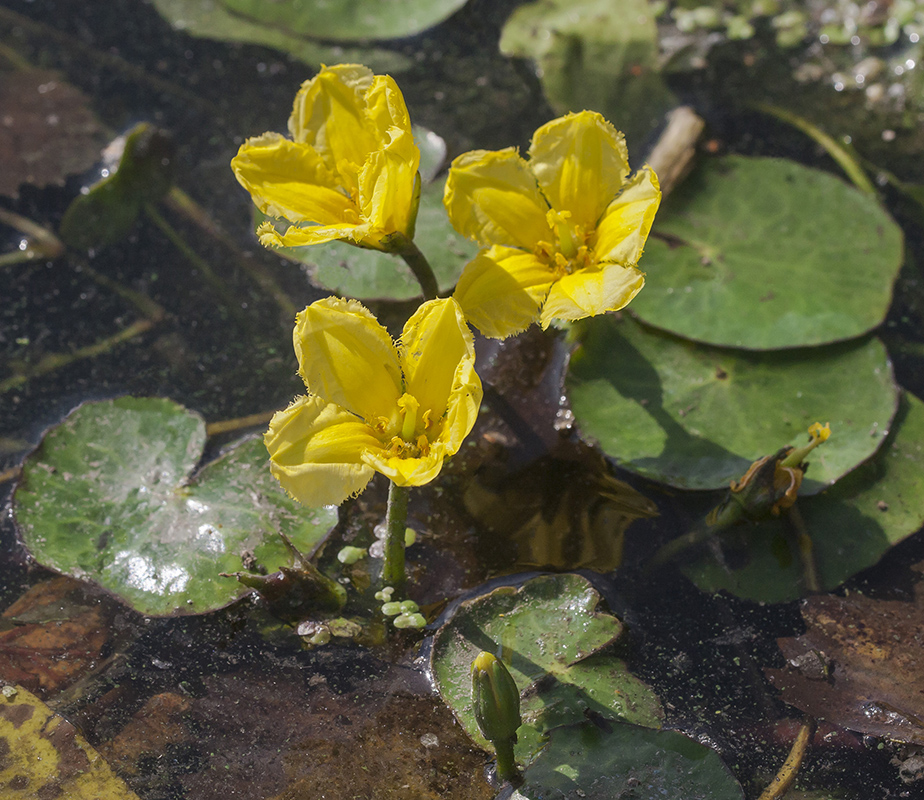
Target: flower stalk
x,y
393,573
403,246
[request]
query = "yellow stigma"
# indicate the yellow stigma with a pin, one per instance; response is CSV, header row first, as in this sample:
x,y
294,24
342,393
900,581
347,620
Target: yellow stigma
x,y
819,431
568,240
409,406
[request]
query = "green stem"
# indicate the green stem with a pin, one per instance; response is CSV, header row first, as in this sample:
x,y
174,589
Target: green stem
x,y
402,246
53,361
41,242
506,765
395,525
669,551
728,515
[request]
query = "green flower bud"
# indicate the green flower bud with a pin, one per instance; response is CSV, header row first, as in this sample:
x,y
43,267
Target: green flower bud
x,y
495,699
496,703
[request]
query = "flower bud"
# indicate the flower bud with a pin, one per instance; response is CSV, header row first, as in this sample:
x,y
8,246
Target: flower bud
x,y
496,703
495,699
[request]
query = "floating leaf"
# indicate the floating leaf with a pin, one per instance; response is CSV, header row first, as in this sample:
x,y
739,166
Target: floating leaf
x,y
108,497
547,632
347,20
762,253
626,761
697,417
211,19
48,130
594,54
45,756
373,275
851,525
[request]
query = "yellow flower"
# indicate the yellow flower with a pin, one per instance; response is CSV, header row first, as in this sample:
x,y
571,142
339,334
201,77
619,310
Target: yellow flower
x,y
349,172
372,405
564,230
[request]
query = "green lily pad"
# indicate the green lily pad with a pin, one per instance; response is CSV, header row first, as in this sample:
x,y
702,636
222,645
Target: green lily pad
x,y
696,417
211,19
763,253
351,271
548,632
594,54
852,525
583,761
108,497
347,20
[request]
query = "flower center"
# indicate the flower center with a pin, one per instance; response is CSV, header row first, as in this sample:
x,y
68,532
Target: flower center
x,y
571,251
413,441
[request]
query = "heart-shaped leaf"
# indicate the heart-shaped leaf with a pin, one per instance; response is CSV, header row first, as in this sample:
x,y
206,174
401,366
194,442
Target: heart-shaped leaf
x,y
696,417
548,632
109,497
763,253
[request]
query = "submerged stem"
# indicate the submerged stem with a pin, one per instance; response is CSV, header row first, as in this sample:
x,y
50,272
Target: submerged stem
x,y
395,526
787,774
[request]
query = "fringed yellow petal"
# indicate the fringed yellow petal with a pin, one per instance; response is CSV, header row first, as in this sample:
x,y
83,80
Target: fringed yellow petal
x,y
623,230
492,197
291,181
436,341
329,114
348,358
502,289
386,112
316,451
461,408
581,162
387,190
299,236
589,292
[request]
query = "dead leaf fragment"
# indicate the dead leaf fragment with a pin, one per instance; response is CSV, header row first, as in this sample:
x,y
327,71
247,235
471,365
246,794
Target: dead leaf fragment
x,y
47,130
53,635
860,665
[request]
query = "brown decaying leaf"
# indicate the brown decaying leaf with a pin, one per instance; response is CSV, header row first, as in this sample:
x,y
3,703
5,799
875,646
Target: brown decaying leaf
x,y
47,130
860,665
54,635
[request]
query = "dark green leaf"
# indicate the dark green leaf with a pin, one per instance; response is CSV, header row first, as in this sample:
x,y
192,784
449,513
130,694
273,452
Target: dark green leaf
x,y
626,761
696,417
851,526
762,253
595,54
